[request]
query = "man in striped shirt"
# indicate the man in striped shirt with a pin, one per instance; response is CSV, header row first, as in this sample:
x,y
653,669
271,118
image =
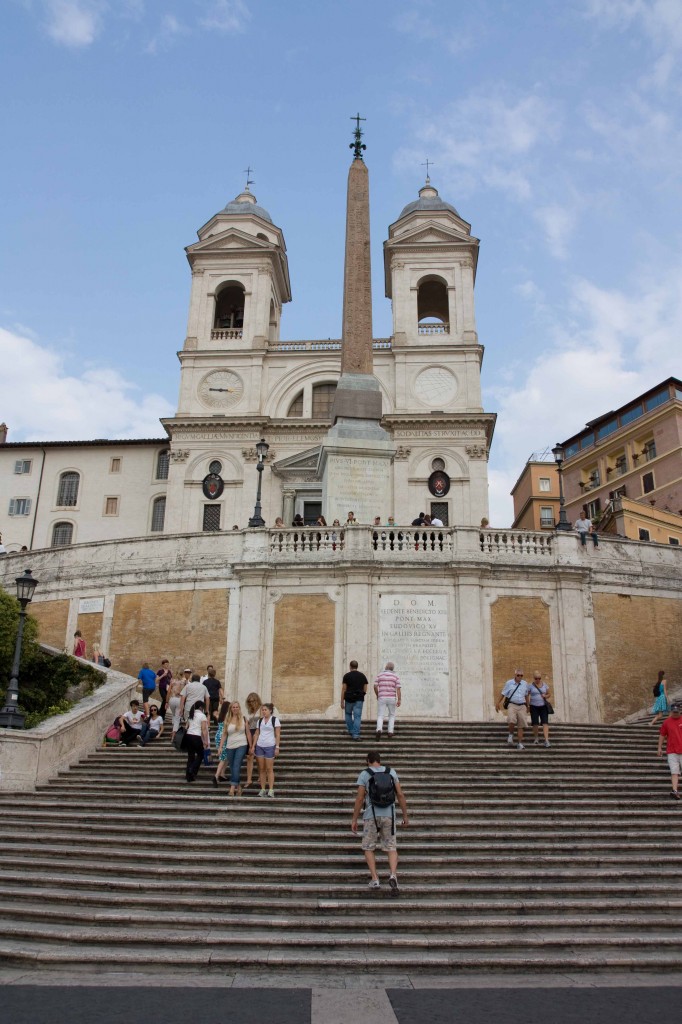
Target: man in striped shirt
x,y
387,689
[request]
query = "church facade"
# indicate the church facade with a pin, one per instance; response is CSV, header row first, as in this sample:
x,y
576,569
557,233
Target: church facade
x,y
240,382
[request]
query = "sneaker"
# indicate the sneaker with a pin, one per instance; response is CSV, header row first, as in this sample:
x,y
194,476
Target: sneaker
x,y
393,882
389,735
674,795
262,792
547,743
510,740
374,883
520,746
535,742
271,794
378,734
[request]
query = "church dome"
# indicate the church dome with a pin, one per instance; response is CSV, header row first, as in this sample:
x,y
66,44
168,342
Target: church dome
x,y
245,203
429,202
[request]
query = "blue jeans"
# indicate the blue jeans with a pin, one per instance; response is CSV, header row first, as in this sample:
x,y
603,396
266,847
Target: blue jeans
x,y
235,756
353,710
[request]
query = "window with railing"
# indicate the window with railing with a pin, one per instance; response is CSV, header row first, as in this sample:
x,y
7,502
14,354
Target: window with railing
x,y
546,516
621,465
649,450
62,535
158,514
593,508
68,489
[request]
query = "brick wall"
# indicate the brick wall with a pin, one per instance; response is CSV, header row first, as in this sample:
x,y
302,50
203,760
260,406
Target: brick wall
x,y
303,653
636,636
520,638
52,618
189,627
90,625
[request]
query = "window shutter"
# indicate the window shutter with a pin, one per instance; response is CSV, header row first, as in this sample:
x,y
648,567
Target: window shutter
x,y
27,506
18,466
11,506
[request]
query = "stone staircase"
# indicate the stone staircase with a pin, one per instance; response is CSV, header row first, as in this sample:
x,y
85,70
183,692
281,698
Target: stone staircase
x,y
564,858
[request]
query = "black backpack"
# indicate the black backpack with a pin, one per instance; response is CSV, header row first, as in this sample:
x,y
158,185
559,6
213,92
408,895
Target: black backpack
x,y
381,793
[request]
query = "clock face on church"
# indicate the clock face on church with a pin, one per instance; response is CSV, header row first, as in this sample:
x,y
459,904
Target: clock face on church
x,y
221,389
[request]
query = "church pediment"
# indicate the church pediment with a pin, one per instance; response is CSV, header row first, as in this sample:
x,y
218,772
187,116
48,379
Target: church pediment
x,y
232,238
298,466
432,232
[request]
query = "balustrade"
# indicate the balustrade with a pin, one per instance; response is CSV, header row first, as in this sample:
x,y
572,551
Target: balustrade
x,y
227,334
516,542
433,328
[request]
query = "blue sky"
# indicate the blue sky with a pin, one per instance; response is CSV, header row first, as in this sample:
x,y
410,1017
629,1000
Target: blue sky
x,y
554,128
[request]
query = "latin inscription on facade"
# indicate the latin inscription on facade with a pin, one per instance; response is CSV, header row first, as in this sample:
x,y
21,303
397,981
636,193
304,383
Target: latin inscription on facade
x,y
87,605
413,633
354,483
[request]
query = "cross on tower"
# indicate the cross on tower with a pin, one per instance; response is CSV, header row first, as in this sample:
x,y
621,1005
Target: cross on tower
x,y
358,145
248,172
427,163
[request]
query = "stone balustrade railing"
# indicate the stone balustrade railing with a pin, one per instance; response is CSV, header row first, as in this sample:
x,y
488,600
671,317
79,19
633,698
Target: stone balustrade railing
x,y
227,334
330,345
433,329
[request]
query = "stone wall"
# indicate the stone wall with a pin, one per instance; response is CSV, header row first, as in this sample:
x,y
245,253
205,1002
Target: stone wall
x,y
52,618
189,627
521,638
636,636
303,653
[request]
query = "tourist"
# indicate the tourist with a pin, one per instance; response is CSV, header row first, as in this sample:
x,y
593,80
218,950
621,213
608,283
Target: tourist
x,y
154,725
3,549
175,703
147,677
387,690
485,523
583,527
279,524
390,522
196,739
222,751
215,691
265,745
298,520
78,645
661,706
435,521
419,521
235,741
378,789
164,677
253,706
539,712
132,724
515,696
351,520
321,521
353,689
671,731
193,691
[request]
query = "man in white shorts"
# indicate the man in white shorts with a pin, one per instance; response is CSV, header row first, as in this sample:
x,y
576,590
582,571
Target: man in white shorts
x,y
516,694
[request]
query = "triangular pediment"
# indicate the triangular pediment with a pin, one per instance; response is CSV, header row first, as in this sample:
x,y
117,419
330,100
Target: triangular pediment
x,y
303,462
231,238
433,232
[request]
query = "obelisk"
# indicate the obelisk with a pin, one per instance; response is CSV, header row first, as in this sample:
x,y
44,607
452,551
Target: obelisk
x,y
355,458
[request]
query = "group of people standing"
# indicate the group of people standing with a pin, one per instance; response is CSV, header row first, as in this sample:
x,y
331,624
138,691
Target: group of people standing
x,y
353,691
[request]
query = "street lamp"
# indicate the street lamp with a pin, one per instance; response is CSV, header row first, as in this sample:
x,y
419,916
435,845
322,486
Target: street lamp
x,y
261,450
10,716
558,453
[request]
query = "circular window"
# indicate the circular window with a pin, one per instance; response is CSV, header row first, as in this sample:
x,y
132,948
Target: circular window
x,y
438,464
215,466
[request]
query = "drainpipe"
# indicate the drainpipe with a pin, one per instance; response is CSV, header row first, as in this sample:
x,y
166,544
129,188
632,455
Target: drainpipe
x,y
35,510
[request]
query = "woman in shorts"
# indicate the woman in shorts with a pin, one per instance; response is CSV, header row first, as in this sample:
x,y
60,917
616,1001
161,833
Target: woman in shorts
x,y
253,706
539,715
266,748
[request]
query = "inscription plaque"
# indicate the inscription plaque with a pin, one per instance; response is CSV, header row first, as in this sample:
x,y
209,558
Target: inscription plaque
x,y
359,484
413,634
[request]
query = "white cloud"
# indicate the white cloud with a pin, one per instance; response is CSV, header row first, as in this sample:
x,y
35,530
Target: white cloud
x,y
169,29
42,400
558,223
416,23
658,21
74,23
607,347
486,139
226,16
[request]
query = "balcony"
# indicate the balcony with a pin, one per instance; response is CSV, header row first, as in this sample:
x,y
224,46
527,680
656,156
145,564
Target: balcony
x,y
227,334
330,345
433,328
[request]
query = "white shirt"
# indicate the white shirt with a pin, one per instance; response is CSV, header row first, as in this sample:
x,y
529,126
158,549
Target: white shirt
x,y
436,522
133,718
195,723
155,724
267,736
583,525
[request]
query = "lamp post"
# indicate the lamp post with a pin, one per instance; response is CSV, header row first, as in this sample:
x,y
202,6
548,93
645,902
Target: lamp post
x,y
10,716
262,450
558,453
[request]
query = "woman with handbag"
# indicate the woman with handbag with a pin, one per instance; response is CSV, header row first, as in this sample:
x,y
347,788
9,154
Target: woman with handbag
x,y
196,740
539,708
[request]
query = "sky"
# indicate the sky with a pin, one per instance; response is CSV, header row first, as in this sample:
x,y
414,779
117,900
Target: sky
x,y
554,128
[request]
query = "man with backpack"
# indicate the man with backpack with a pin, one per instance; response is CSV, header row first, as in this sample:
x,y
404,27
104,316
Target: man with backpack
x,y
378,790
